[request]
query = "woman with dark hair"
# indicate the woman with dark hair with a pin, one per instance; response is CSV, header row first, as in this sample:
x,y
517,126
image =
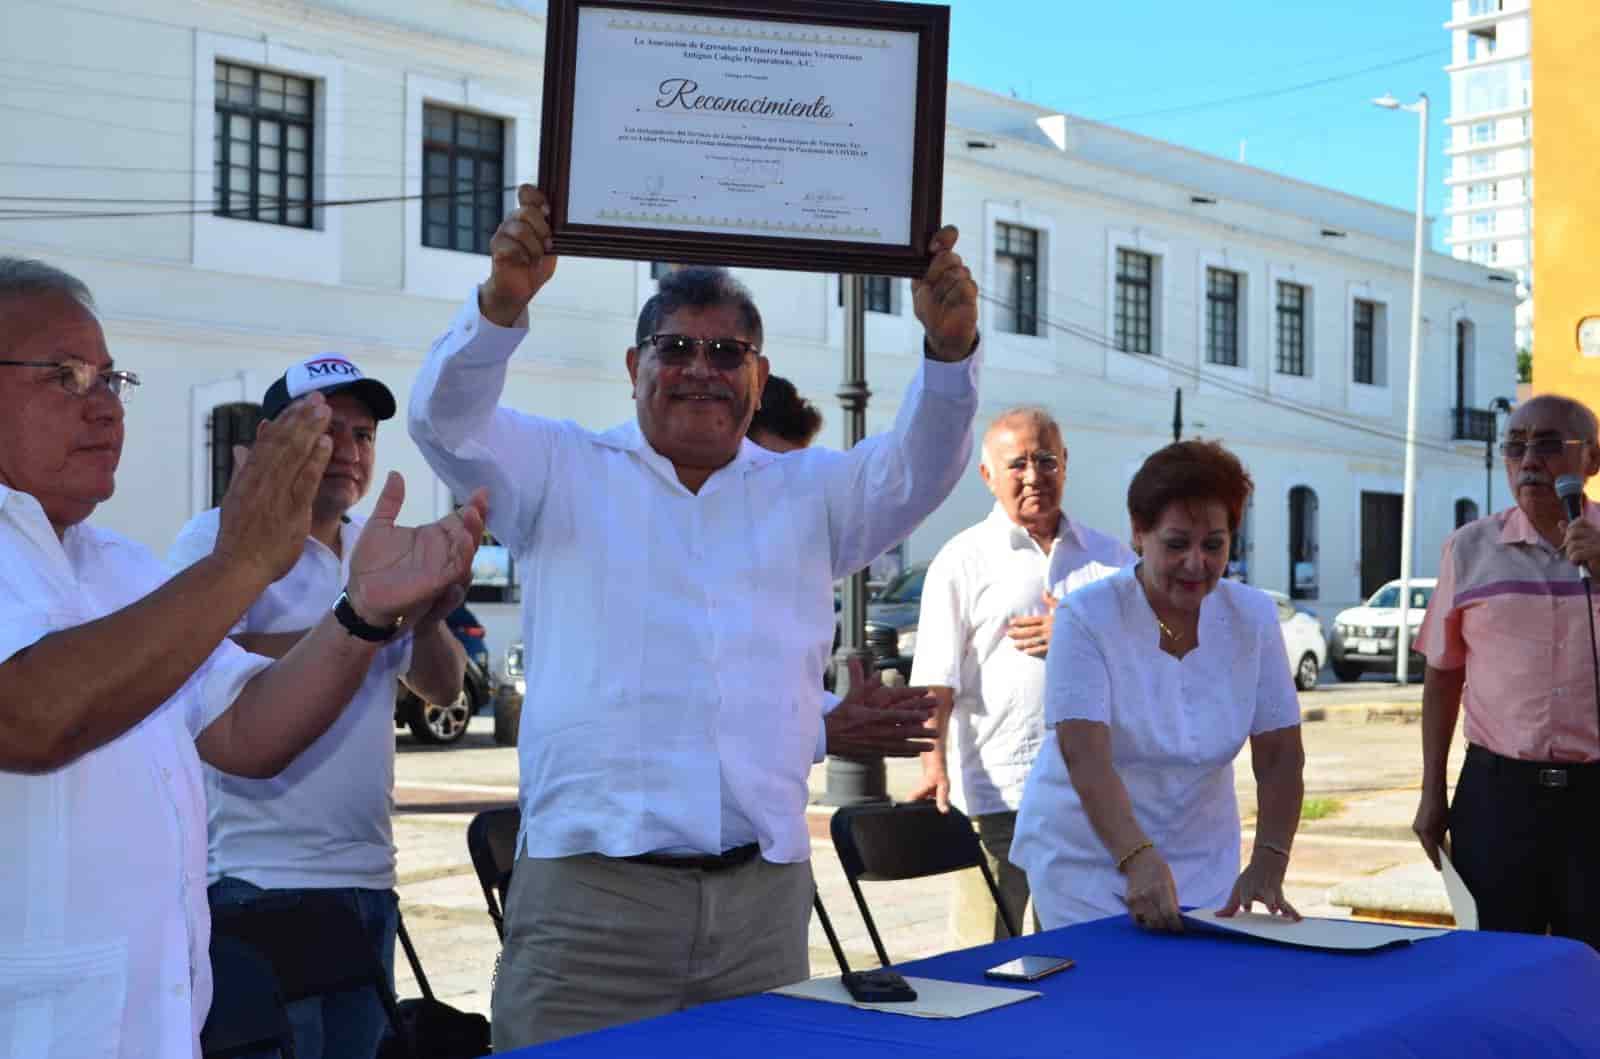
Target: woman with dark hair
x,y
1155,679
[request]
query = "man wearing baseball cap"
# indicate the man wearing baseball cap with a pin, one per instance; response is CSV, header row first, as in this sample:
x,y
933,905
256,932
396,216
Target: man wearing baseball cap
x,y
323,823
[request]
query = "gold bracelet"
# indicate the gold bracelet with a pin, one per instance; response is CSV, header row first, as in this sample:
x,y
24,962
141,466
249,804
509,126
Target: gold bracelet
x,y
1269,847
1134,852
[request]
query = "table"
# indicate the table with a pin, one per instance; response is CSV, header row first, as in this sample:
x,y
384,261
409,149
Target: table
x,y
1135,995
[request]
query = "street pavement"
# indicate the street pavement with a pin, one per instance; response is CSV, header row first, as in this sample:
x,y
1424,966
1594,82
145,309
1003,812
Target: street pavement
x,y
1363,763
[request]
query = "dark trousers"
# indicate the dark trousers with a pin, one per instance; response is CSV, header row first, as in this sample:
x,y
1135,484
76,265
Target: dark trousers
x,y
1525,837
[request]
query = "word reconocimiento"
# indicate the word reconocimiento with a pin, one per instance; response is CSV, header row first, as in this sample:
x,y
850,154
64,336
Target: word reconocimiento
x,y
684,92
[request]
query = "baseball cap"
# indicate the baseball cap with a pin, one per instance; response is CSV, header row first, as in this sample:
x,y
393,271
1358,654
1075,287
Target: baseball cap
x,y
330,373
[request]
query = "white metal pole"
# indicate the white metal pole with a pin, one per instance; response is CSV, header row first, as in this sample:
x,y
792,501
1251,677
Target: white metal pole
x,y
1408,500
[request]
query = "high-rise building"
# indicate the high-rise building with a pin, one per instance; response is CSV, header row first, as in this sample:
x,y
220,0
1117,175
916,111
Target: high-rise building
x,y
1490,176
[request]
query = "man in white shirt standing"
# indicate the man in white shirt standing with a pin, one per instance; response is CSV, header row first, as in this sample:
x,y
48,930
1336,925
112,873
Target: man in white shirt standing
x,y
673,707
988,605
323,823
115,682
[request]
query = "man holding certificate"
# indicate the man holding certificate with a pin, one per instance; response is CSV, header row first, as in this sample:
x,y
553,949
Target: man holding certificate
x,y
673,709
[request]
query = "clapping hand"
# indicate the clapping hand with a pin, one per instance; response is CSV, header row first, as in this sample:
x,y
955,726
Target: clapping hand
x,y
946,300
413,573
266,514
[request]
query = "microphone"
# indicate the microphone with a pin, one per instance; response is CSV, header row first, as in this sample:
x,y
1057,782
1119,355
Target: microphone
x,y
1569,487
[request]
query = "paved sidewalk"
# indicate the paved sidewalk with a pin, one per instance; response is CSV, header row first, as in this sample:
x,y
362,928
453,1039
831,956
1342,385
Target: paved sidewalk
x,y
1363,764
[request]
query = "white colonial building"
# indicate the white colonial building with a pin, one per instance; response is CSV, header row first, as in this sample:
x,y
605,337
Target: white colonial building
x,y
259,165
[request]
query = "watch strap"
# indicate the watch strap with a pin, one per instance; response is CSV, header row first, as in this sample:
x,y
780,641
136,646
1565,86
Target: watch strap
x,y
353,623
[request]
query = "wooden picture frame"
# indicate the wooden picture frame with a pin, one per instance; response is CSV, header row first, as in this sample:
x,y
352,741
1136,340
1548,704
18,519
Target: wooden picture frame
x,y
629,234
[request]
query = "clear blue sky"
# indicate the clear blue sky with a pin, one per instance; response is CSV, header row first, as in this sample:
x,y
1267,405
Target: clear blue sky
x,y
1176,69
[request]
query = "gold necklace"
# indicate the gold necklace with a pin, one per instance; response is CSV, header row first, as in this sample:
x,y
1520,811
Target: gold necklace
x,y
1174,637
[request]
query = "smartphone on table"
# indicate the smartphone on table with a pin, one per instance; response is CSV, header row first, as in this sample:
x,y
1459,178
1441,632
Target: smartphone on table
x,y
1029,968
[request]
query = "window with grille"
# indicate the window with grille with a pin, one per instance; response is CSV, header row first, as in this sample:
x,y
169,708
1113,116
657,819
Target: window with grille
x,y
262,146
1016,265
1222,317
878,291
463,178
1135,305
1291,329
1362,357
231,424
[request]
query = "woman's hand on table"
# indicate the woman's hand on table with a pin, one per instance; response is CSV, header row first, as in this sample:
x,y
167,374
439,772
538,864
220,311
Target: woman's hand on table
x,y
1261,880
1152,894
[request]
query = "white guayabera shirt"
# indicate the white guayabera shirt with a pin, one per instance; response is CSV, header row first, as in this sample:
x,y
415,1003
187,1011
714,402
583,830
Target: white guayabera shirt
x,y
105,936
985,576
675,641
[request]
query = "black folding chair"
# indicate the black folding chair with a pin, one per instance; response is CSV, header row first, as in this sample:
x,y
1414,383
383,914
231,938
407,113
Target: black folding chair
x,y
316,947
492,843
880,843
247,1015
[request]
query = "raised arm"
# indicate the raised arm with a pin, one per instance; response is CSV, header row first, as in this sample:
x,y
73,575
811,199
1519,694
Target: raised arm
x,y
885,486
77,689
455,416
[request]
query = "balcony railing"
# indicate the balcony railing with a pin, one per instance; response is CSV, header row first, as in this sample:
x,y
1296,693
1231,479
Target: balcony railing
x,y
1472,424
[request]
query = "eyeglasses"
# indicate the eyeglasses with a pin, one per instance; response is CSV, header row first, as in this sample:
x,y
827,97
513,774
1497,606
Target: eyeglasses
x,y
80,378
724,354
1547,447
1047,463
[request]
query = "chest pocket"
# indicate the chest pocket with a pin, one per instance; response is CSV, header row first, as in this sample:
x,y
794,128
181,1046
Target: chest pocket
x,y
63,1002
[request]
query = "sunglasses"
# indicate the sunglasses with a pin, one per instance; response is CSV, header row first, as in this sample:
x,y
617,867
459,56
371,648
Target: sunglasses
x,y
723,354
80,378
1546,447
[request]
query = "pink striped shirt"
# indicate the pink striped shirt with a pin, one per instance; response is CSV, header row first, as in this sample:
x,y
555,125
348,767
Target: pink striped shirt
x,y
1510,608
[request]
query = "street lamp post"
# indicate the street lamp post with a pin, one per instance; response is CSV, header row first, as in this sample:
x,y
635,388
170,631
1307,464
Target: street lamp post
x,y
1408,499
851,781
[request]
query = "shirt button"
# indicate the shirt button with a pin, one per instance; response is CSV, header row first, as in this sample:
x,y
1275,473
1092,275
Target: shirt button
x,y
177,990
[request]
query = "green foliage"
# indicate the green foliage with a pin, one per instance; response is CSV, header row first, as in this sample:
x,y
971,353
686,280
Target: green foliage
x,y
1524,366
1318,808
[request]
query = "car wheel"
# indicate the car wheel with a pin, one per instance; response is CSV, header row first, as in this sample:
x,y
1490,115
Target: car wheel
x,y
507,720
441,724
1347,672
1305,674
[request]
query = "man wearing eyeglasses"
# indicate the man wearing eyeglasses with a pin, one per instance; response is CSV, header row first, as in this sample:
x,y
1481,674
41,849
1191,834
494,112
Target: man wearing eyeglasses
x,y
988,605
115,683
673,709
1508,645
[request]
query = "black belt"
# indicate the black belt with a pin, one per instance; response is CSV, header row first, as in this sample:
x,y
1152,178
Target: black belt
x,y
1551,775
728,858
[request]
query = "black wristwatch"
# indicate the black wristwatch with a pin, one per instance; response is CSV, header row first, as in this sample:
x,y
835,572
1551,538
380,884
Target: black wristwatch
x,y
353,624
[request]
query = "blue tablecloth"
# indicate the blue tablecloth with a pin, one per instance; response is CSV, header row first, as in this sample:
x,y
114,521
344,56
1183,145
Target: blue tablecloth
x,y
1135,995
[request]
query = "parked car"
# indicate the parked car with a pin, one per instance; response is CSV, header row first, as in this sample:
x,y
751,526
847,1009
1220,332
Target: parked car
x,y
1364,637
1303,641
446,723
891,630
508,693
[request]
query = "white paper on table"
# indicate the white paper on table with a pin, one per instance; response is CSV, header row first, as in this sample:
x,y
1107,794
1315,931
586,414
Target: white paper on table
x,y
936,999
1336,935
1462,904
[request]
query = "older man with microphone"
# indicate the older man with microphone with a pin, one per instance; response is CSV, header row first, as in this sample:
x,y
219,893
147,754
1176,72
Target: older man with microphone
x,y
1509,638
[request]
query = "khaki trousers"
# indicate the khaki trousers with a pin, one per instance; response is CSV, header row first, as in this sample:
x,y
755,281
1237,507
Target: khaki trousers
x,y
974,920
593,941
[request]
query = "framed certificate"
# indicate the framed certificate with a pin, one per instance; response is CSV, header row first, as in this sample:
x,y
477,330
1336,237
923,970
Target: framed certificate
x,y
791,134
